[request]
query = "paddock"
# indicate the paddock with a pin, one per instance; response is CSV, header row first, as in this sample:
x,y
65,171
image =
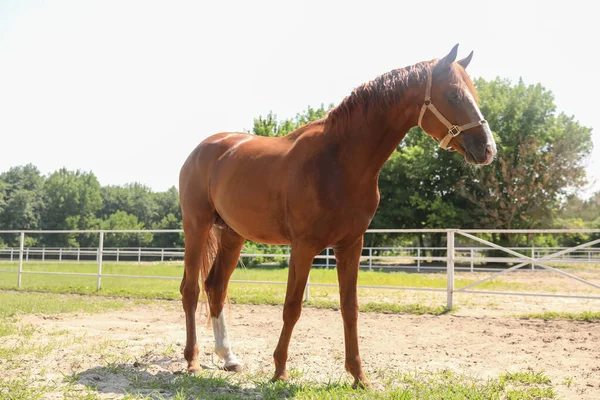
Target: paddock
x,y
136,350
526,333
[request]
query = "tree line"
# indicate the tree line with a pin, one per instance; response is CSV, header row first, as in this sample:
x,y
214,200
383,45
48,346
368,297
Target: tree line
x,y
533,183
75,200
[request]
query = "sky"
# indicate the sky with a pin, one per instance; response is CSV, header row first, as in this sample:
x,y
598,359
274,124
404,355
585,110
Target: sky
x,y
126,89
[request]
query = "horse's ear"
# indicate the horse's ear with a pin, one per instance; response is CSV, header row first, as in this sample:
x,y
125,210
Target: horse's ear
x,y
465,61
450,57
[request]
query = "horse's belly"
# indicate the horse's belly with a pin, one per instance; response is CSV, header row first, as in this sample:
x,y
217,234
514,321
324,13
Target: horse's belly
x,y
253,225
251,208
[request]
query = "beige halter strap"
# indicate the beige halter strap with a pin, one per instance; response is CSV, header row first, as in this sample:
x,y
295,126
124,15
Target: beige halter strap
x,y
453,130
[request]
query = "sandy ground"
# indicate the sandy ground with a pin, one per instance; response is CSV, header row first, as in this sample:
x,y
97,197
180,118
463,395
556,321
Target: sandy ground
x,y
481,346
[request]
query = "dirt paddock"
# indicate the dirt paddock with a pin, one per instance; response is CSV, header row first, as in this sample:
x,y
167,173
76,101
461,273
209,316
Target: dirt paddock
x,y
481,346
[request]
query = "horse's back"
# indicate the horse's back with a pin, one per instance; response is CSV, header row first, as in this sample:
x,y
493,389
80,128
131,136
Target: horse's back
x,y
248,180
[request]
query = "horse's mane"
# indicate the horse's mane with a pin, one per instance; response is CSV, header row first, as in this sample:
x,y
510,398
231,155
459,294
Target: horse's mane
x,y
385,90
389,89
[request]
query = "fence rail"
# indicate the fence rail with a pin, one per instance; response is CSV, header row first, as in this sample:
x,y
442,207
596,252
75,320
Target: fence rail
x,y
454,258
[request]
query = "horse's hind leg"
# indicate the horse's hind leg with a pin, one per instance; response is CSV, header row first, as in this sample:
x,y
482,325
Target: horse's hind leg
x,y
230,247
198,243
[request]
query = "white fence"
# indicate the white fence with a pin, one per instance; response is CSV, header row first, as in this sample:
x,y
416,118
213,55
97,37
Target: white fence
x,y
373,257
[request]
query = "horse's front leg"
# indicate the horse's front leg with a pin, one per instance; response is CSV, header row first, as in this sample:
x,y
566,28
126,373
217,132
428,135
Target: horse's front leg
x,y
348,258
300,262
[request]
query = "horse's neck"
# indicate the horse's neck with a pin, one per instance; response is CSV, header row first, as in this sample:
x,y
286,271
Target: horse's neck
x,y
369,144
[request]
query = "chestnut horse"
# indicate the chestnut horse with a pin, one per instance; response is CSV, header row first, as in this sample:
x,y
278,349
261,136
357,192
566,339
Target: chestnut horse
x,y
314,188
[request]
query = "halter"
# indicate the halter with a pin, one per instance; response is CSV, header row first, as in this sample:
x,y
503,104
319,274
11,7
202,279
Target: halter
x,y
453,130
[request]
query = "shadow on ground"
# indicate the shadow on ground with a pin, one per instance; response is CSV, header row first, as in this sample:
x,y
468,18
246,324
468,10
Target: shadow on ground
x,y
124,379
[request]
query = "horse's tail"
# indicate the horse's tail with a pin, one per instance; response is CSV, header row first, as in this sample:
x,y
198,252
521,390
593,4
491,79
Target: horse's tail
x,y
208,258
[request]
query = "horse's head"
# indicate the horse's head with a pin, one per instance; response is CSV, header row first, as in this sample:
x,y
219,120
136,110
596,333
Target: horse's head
x,y
449,111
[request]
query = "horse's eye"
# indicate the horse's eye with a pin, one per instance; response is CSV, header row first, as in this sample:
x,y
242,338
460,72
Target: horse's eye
x,y
455,97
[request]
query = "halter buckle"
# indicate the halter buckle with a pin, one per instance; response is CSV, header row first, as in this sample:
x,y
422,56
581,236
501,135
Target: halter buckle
x,y
454,130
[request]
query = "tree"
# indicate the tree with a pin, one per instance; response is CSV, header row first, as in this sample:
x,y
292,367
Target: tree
x,y
416,187
167,203
134,198
170,221
71,201
21,198
539,158
121,220
269,126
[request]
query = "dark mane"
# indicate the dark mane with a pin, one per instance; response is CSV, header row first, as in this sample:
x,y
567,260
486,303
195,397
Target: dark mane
x,y
385,90
389,89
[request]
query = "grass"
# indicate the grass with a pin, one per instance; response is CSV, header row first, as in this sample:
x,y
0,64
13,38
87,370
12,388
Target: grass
x,y
587,316
51,304
442,384
168,288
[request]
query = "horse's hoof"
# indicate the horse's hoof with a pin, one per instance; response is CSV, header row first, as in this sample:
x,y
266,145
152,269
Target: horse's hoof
x,y
193,369
361,384
233,368
279,377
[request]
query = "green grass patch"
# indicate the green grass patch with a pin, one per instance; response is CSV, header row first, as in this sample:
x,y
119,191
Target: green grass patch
x,y
24,389
525,377
587,316
17,302
168,288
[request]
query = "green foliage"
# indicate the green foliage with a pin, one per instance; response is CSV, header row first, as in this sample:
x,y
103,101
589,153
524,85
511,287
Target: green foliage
x,y
540,157
21,198
270,127
135,199
71,200
121,220
74,200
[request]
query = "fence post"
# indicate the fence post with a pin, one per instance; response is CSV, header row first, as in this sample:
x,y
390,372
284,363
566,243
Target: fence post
x,y
27,254
60,254
418,259
99,258
139,254
117,254
370,259
307,289
21,244
327,258
43,253
450,269
532,256
471,260
78,252
11,254
162,255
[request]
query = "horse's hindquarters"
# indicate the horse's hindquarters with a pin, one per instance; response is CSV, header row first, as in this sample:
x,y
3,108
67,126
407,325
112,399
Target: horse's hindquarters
x,y
247,185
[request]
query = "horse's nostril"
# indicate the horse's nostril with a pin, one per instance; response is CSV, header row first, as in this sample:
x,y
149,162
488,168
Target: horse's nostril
x,y
489,153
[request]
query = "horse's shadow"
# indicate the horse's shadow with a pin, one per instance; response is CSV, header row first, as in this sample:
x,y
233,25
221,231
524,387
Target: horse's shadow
x,y
123,379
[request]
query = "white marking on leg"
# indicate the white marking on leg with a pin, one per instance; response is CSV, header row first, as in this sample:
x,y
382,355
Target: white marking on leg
x,y
222,346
